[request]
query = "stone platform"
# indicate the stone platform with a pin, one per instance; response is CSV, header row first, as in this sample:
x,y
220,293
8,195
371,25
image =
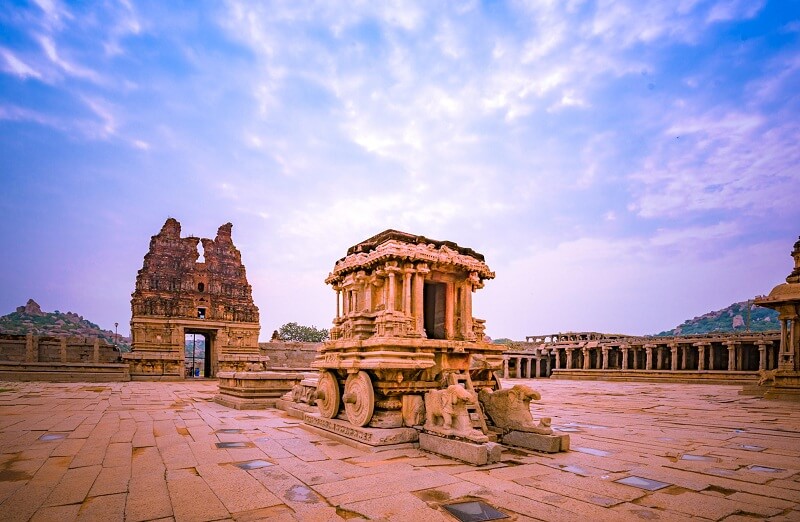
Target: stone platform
x,y
64,372
677,376
537,442
469,452
254,390
158,450
368,439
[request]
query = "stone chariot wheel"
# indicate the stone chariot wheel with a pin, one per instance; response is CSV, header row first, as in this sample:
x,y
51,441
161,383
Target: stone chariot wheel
x,y
359,398
328,395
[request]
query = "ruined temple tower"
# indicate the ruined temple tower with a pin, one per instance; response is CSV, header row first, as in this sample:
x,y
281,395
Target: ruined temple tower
x,y
177,294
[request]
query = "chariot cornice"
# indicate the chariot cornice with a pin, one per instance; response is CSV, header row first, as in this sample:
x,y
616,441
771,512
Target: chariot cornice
x,y
394,250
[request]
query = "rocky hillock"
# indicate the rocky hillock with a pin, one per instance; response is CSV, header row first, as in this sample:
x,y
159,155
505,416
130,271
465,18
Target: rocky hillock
x,y
735,318
31,319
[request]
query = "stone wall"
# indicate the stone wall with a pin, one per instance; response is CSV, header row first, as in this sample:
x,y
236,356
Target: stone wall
x,y
288,354
46,349
60,359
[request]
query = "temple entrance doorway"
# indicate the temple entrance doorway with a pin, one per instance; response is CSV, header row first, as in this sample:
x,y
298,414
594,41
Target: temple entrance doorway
x,y
197,350
434,307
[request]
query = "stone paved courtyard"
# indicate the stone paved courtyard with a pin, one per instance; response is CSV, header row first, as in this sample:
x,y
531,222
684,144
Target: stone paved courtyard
x,y
151,451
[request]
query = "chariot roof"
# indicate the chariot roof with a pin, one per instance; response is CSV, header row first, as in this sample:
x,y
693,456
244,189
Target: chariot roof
x,y
394,245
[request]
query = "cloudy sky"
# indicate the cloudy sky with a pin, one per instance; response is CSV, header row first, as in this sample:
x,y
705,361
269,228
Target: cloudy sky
x,y
623,165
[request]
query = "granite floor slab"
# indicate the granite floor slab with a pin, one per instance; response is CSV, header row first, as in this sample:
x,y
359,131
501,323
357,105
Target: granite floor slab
x,y
148,451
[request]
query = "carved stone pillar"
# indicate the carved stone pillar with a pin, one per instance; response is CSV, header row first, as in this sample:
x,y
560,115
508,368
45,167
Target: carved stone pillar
x,y
731,355
419,285
684,354
338,296
701,356
505,367
659,357
624,350
407,292
586,358
604,352
538,366
547,370
789,330
649,354
674,361
391,297
710,356
636,358
762,356
569,358
558,358
519,367
466,316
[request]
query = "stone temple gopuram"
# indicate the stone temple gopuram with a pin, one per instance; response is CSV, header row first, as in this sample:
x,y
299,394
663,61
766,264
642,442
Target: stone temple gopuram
x,y
785,298
177,294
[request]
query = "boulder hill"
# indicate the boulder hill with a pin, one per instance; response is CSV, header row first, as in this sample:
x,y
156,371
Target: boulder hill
x,y
31,319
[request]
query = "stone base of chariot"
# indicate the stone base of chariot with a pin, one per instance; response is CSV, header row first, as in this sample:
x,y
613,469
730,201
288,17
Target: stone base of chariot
x,y
469,452
254,390
367,439
536,441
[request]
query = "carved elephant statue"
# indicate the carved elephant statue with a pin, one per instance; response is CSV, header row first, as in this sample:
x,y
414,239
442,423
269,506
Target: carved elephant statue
x,y
446,413
511,409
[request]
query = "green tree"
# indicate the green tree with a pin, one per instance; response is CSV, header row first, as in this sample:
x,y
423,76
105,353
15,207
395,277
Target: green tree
x,y
298,332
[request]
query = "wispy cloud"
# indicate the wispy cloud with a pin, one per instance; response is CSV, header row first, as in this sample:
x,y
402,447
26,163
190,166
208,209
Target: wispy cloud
x,y
730,161
609,145
69,67
17,67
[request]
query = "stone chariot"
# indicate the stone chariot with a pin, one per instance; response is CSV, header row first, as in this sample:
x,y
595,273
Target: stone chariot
x,y
403,328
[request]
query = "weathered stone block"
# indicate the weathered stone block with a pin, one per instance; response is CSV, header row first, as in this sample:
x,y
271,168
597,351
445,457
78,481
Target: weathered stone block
x,y
254,390
469,452
537,442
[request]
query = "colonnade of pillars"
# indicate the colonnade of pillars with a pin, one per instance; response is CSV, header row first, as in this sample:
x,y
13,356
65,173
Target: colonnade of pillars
x,y
398,289
699,356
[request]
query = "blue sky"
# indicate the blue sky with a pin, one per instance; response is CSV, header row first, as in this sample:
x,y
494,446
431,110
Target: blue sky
x,y
623,165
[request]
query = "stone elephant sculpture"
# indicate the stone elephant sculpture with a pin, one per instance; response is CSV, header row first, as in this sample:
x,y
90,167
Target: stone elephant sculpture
x,y
511,409
446,413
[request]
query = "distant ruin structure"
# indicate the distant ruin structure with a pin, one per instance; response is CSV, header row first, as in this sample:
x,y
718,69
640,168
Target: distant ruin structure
x,y
178,294
716,357
785,298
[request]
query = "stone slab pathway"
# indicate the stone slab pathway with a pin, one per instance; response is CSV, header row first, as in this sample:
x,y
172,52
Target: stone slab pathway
x,y
141,451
